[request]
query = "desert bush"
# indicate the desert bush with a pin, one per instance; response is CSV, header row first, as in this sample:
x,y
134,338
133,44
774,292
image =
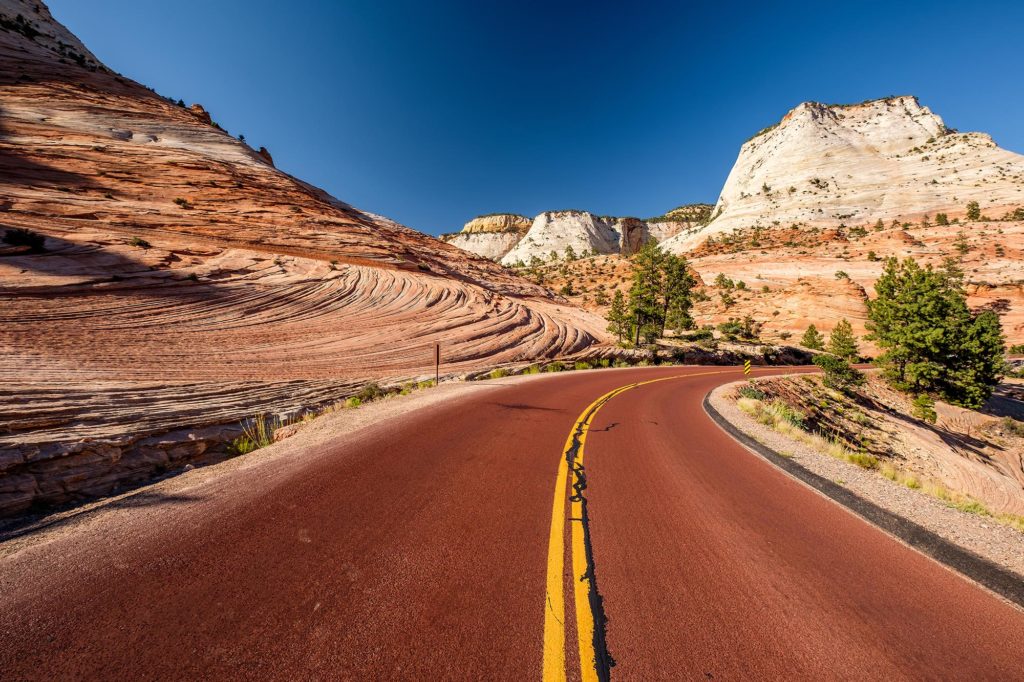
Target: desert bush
x,y
751,391
837,372
370,392
923,408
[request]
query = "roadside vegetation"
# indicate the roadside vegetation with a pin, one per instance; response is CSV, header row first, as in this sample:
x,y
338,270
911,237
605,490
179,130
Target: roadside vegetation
x,y
659,297
853,427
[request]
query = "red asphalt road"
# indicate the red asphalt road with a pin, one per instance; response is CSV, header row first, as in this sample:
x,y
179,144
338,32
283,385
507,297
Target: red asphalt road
x,y
418,549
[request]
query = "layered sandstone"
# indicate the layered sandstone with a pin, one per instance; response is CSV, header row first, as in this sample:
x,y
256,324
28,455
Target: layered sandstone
x,y
490,236
187,284
888,159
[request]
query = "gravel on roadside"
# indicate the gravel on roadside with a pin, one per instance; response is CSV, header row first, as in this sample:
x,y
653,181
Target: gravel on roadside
x,y
981,535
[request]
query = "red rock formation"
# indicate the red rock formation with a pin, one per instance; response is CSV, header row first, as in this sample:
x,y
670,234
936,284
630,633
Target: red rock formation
x,y
186,283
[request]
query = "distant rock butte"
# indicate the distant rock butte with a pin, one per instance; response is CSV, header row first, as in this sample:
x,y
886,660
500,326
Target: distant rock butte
x,y
187,284
490,236
513,238
887,159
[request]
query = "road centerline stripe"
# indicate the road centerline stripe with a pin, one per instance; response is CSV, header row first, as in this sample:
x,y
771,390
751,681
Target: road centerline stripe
x,y
595,662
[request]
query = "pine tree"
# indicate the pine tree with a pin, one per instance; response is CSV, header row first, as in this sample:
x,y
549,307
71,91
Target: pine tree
x,y
645,302
931,339
812,339
842,342
973,211
616,316
677,284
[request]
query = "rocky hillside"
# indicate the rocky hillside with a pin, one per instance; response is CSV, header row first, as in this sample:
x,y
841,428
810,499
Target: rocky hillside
x,y
887,159
161,279
514,239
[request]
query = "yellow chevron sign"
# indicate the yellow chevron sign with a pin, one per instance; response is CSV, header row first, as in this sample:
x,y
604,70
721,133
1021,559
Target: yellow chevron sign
x,y
746,366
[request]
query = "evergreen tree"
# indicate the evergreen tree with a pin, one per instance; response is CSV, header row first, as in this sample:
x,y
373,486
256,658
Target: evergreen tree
x,y
812,339
931,340
677,284
617,316
842,342
973,211
646,308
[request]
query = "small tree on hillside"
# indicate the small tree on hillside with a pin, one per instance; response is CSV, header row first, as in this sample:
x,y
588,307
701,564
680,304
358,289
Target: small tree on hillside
x,y
837,372
812,339
617,316
842,342
645,302
570,253
973,211
941,219
676,286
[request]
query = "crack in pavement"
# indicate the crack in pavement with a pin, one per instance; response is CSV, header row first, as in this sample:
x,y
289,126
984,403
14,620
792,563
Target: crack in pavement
x,y
603,660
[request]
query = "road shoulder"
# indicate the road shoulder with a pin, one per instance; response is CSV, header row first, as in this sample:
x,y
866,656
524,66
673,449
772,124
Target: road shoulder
x,y
984,551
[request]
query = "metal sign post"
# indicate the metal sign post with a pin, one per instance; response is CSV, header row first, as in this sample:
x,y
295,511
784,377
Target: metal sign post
x,y
437,364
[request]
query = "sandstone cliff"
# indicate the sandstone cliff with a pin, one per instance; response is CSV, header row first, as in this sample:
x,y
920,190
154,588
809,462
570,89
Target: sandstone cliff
x,y
513,238
887,159
490,236
185,284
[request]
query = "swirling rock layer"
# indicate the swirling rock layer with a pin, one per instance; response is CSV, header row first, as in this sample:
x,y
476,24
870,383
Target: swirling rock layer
x,y
186,284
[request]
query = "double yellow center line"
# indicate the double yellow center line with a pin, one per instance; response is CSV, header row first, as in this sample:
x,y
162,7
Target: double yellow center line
x,y
554,608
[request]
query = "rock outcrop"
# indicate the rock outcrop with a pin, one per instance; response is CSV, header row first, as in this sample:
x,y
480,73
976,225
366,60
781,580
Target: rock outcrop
x,y
184,284
512,238
557,231
887,159
490,236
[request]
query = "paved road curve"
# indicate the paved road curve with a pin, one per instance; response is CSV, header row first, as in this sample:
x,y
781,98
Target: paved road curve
x,y
420,550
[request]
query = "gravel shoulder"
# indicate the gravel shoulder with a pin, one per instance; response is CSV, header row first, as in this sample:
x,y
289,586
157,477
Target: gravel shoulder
x,y
980,535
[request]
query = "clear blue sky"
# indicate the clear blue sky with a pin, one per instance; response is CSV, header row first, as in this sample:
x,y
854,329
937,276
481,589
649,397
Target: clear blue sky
x,y
433,112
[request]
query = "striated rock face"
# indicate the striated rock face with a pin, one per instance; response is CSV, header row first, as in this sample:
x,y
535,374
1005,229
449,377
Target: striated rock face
x,y
490,236
499,222
186,284
888,159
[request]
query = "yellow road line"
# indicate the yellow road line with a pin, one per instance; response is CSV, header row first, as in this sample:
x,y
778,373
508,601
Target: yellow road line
x,y
554,610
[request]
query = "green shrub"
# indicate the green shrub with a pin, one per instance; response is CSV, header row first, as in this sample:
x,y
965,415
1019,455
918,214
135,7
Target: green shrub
x,y
139,242
973,211
582,364
923,408
837,372
752,392
499,373
370,392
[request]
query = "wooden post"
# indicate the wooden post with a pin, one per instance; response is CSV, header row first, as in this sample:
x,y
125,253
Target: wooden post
x,y
437,364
